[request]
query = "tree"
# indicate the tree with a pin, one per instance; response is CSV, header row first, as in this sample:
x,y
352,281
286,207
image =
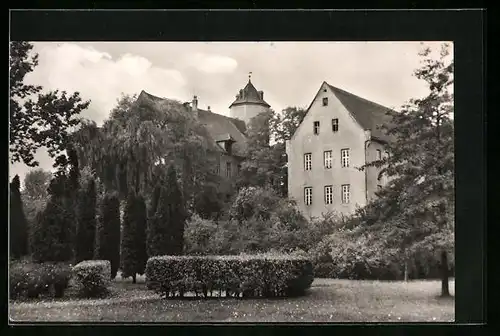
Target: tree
x,y
142,137
36,183
86,222
44,122
107,244
415,210
166,226
51,235
265,164
134,256
18,223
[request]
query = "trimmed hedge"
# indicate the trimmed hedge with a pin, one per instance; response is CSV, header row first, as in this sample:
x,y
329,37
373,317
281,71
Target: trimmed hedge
x,y
29,280
92,277
248,276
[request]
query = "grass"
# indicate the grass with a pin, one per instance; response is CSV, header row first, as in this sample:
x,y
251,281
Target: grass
x,y
328,300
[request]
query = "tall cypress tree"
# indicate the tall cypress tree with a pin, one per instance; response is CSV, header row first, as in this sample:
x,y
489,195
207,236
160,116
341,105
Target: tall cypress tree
x,y
18,223
51,239
134,257
86,221
107,244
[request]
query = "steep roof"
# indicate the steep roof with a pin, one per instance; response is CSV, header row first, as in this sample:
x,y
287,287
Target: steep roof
x,y
217,125
368,114
249,95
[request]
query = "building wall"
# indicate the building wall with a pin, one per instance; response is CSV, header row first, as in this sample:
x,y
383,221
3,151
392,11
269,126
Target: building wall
x,y
350,135
246,112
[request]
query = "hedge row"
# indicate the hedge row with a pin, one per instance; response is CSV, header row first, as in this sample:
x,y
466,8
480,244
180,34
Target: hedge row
x,y
92,277
28,280
238,276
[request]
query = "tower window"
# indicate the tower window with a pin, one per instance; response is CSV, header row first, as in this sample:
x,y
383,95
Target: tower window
x,y
316,127
335,125
325,101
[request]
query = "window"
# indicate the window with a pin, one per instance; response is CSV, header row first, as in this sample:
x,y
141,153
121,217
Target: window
x,y
335,125
328,194
346,193
379,154
217,167
327,158
316,127
344,154
228,169
307,161
386,154
325,101
308,195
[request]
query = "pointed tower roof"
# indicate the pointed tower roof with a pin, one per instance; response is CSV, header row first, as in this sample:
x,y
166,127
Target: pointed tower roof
x,y
250,95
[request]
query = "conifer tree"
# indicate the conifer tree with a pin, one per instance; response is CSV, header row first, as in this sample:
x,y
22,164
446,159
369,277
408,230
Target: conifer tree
x,y
415,210
107,244
86,221
133,255
166,226
18,223
51,235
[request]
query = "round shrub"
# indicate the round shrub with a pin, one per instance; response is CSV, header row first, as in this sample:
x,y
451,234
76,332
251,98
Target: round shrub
x,y
92,277
262,275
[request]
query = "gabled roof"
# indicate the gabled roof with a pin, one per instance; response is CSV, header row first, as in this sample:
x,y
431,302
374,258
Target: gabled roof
x,y
368,114
249,95
217,125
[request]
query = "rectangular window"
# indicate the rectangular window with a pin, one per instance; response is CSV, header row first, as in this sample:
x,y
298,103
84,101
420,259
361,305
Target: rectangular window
x,y
308,195
379,154
346,193
325,101
327,158
308,161
328,194
228,169
316,127
344,154
335,125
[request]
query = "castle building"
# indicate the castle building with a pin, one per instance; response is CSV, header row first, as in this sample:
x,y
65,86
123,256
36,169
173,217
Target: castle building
x,y
227,132
337,136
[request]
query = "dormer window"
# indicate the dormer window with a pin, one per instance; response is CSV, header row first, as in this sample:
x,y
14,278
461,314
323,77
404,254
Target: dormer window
x,y
325,101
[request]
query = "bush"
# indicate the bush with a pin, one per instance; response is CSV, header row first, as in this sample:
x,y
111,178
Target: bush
x,y
263,275
199,236
92,277
32,280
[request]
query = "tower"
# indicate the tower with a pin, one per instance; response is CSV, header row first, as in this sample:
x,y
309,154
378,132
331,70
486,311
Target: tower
x,y
248,103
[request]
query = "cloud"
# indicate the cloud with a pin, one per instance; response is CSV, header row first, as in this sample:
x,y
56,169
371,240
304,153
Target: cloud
x,y
100,78
212,64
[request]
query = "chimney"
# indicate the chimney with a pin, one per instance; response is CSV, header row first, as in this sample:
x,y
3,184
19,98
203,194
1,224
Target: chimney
x,y
261,94
194,104
208,108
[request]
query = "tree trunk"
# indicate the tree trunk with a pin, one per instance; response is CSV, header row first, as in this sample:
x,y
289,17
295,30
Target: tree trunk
x,y
134,278
445,290
406,270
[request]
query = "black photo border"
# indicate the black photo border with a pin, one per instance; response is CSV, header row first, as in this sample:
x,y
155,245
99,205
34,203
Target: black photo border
x,y
463,27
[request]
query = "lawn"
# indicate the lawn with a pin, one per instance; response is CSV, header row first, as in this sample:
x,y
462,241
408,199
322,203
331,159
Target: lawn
x,y
328,300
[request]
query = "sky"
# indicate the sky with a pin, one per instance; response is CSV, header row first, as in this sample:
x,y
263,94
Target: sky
x,y
289,73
